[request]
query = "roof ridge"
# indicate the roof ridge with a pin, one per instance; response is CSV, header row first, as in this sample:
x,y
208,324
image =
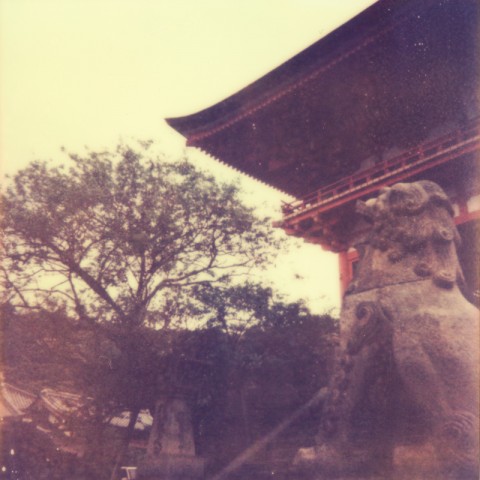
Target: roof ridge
x,y
18,389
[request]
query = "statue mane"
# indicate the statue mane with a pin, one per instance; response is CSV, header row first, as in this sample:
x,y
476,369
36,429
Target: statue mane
x,y
412,224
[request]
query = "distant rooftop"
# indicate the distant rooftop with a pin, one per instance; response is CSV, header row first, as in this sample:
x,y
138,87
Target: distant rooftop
x,y
14,401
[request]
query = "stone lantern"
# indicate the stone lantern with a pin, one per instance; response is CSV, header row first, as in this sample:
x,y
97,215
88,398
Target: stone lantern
x,y
171,448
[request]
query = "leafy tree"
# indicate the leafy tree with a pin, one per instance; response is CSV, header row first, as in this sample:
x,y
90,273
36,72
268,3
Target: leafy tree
x,y
269,357
254,364
121,236
119,241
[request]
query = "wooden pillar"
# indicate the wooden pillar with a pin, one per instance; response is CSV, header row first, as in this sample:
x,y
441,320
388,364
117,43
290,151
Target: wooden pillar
x,y
344,269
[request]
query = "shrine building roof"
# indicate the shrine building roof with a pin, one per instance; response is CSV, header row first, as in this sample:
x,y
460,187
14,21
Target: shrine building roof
x,y
383,82
14,401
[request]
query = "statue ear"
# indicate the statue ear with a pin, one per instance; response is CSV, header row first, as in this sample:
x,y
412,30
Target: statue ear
x,y
437,196
407,198
364,210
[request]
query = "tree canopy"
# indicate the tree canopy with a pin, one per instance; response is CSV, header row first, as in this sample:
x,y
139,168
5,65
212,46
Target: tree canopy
x,y
256,363
106,260
123,236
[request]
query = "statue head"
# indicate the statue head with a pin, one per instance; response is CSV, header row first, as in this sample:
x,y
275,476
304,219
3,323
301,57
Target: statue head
x,y
412,234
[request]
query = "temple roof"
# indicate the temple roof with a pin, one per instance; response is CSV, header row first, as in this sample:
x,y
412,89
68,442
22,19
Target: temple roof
x,y
14,401
383,82
64,403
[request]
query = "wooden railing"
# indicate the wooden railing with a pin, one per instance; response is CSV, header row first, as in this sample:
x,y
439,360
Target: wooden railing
x,y
439,150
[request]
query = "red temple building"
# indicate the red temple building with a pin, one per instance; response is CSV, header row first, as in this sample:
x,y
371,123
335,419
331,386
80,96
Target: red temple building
x,y
392,95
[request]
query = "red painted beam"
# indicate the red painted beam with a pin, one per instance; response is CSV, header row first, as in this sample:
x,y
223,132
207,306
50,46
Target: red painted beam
x,y
305,209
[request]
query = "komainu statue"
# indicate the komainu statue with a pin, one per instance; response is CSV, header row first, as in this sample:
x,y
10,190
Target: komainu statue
x,y
404,398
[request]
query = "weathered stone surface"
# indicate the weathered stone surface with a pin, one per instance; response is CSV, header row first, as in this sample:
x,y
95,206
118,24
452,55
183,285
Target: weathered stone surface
x,y
403,401
172,467
171,449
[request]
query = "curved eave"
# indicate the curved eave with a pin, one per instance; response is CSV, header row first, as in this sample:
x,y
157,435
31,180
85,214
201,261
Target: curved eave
x,y
290,74
247,174
382,82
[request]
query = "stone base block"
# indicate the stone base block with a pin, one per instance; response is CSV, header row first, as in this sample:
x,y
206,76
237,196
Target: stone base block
x,y
172,467
414,462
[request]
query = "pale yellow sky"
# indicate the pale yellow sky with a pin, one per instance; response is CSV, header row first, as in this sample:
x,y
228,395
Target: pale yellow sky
x,y
89,72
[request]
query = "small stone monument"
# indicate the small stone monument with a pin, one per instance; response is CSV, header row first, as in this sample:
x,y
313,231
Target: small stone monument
x,y
171,450
404,398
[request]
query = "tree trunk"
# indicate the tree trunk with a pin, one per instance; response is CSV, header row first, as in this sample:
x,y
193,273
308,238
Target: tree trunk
x,y
245,417
122,450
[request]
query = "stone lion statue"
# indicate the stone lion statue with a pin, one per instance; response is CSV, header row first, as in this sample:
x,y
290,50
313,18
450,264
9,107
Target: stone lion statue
x,y
404,398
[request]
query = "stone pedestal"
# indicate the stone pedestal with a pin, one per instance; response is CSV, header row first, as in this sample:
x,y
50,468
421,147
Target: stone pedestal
x,y
171,449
